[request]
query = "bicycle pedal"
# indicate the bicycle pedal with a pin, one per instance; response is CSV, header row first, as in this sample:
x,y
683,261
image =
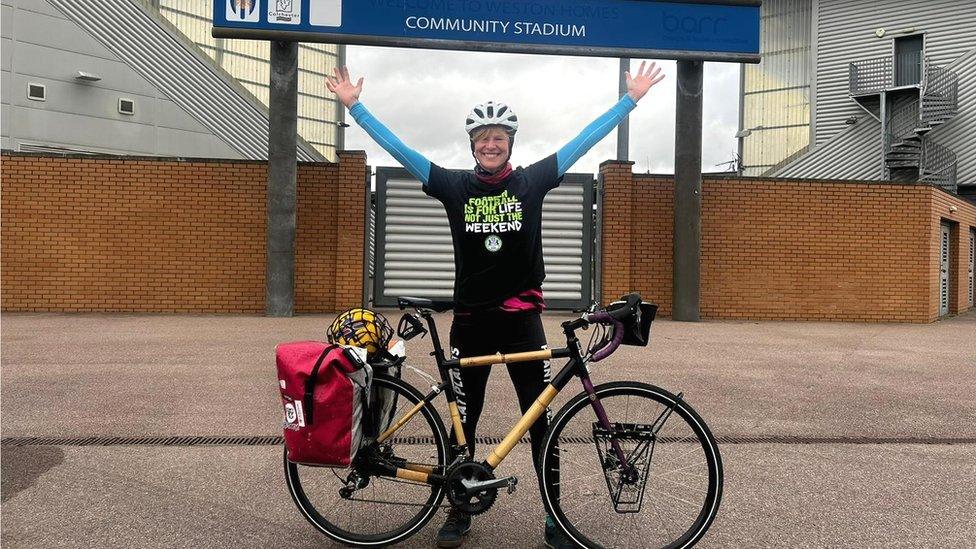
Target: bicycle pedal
x,y
512,483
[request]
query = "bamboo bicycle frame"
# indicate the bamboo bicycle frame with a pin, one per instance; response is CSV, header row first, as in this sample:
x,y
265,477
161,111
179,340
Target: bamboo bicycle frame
x,y
425,473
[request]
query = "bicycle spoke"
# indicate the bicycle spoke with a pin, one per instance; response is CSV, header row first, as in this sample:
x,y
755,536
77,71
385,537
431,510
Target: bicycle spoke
x,y
686,502
680,469
575,480
685,454
586,503
685,486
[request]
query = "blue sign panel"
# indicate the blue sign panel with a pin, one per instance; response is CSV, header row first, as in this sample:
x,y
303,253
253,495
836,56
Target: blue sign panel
x,y
706,30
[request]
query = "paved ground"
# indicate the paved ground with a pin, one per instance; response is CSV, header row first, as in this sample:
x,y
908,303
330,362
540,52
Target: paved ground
x,y
835,435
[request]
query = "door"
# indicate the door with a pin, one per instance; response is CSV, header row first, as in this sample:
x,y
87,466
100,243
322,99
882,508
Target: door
x,y
944,273
972,267
908,60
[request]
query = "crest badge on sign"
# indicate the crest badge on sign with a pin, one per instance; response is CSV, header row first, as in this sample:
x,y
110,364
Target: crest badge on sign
x,y
243,10
288,12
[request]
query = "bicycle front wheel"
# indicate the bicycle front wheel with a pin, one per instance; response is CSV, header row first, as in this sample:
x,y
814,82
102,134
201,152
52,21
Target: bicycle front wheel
x,y
381,510
665,493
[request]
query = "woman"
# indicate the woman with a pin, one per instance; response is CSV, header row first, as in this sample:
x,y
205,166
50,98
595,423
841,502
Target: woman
x,y
495,214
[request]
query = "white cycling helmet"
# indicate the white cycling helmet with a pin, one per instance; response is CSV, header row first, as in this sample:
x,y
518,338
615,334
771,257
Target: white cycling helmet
x,y
492,113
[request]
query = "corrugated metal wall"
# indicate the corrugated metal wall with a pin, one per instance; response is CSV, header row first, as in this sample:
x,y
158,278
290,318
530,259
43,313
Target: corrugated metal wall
x,y
776,91
833,159
852,153
958,133
846,33
183,73
415,257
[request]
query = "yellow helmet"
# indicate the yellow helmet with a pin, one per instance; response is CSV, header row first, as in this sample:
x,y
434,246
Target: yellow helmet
x,y
361,328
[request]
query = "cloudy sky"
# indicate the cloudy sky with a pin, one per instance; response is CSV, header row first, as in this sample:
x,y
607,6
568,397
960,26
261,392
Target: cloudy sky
x,y
423,96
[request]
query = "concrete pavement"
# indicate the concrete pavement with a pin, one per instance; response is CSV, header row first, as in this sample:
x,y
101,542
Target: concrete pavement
x,y
870,400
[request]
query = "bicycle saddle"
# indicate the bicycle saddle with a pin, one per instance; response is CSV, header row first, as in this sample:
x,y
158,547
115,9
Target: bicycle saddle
x,y
424,303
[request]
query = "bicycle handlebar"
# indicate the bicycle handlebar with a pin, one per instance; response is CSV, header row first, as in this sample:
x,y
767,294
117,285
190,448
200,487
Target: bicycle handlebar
x,y
613,316
618,335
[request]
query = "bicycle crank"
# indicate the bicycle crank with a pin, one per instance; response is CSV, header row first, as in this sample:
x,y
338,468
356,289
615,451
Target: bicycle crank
x,y
473,488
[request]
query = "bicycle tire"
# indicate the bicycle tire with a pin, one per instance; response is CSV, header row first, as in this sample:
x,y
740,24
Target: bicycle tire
x,y
315,490
573,473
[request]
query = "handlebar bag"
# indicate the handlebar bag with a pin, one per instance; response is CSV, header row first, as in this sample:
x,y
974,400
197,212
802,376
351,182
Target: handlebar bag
x,y
324,392
637,326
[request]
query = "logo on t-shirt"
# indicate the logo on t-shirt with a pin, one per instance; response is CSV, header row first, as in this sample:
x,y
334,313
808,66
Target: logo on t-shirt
x,y
493,243
500,213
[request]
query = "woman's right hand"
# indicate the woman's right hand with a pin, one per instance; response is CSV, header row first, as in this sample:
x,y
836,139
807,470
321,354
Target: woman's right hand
x,y
341,85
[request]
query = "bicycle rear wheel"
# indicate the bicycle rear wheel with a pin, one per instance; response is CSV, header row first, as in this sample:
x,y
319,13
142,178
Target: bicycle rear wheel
x,y
670,495
385,510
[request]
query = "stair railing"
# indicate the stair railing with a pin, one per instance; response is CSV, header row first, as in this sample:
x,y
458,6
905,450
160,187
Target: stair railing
x,y
869,75
901,124
938,165
939,95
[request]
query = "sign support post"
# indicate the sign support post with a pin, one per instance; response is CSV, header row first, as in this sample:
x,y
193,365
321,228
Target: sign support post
x,y
282,180
623,129
687,192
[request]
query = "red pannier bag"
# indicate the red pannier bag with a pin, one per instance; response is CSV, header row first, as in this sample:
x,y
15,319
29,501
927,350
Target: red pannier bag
x,y
323,390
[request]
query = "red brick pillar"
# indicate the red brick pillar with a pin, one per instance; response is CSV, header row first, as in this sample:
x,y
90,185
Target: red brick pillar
x,y
616,252
350,209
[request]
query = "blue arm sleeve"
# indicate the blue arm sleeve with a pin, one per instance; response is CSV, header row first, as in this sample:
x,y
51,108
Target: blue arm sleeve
x,y
592,134
414,162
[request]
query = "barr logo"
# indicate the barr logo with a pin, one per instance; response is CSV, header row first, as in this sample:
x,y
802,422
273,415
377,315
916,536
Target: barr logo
x,y
692,25
242,10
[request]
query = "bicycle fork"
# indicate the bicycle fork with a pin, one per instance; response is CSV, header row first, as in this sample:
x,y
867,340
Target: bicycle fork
x,y
601,415
604,420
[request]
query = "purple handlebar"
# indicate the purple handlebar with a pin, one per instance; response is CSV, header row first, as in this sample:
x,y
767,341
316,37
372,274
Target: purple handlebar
x,y
618,334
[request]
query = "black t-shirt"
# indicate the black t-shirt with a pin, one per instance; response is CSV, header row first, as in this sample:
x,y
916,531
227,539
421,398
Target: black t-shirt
x,y
496,229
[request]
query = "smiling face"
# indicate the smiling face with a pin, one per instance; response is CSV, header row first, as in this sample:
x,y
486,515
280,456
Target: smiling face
x,y
491,148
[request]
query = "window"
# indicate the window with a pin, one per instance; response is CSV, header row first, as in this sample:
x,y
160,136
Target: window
x,y
127,106
36,92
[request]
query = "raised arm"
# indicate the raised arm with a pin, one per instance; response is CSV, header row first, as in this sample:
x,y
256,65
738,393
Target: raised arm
x,y
637,88
342,86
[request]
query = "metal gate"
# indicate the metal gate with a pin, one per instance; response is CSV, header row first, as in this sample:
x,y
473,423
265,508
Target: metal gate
x,y
415,256
944,273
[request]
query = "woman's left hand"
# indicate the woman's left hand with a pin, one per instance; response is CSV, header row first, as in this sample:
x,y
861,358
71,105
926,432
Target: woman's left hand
x,y
639,86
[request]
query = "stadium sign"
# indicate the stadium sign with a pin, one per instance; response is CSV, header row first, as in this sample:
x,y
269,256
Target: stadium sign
x,y
702,30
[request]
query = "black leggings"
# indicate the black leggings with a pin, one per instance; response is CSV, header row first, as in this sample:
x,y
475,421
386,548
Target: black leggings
x,y
487,334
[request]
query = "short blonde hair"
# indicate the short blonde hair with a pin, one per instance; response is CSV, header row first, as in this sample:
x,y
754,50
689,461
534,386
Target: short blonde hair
x,y
483,131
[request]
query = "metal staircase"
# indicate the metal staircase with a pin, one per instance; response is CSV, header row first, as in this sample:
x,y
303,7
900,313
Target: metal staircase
x,y
909,153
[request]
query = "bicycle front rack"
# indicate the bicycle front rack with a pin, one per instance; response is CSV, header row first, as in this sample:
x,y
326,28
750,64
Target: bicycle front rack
x,y
625,483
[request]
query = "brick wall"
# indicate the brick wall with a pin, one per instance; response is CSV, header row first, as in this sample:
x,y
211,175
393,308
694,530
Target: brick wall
x,y
789,249
170,235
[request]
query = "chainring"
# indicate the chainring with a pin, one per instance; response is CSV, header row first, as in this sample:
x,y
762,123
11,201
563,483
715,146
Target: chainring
x,y
471,504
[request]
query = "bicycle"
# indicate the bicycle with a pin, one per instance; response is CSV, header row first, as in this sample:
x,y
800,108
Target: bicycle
x,y
596,477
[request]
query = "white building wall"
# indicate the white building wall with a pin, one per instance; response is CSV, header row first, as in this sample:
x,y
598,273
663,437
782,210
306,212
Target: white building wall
x,y
845,32
40,45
